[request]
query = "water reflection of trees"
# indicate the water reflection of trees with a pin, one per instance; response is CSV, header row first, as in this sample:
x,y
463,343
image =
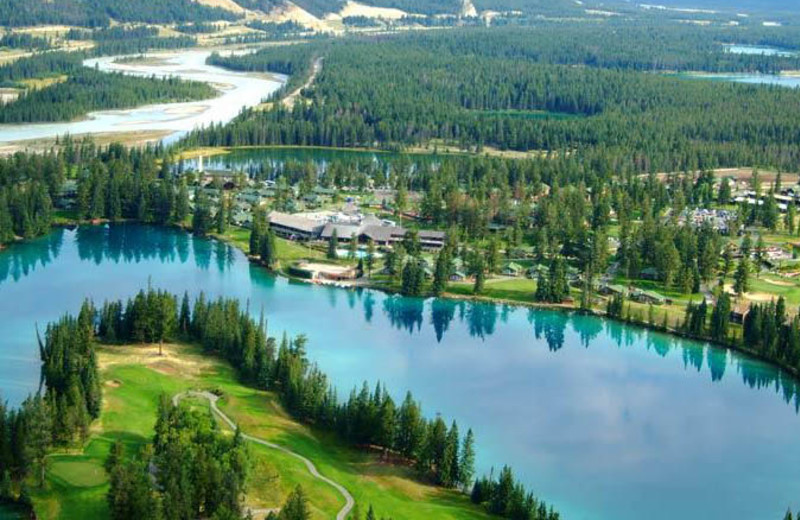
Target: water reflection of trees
x,y
117,243
549,325
22,259
442,313
404,313
480,321
136,243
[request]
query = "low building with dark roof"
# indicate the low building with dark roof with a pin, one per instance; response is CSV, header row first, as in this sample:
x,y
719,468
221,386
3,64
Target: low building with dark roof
x,y
294,227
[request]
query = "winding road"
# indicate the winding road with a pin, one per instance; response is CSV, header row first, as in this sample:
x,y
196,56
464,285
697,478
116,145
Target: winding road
x,y
212,399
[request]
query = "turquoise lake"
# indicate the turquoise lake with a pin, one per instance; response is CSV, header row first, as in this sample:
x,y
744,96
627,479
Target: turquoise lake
x,y
253,160
603,420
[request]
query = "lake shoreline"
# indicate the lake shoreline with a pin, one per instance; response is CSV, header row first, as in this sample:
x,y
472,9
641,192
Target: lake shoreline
x,y
450,354
559,307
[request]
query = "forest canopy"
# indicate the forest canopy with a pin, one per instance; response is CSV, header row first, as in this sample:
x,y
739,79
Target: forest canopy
x,y
476,88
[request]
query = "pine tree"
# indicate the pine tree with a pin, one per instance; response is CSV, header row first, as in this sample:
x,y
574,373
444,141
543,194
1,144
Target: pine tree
x,y
352,251
296,506
182,207
185,319
221,216
370,258
741,282
201,220
268,249
333,244
440,273
480,276
448,468
466,466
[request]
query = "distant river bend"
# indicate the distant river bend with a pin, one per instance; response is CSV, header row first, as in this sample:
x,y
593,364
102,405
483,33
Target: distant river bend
x,y
237,91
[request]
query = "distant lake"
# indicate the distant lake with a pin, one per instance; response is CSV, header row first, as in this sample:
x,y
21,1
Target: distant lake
x,y
606,421
252,160
754,79
760,50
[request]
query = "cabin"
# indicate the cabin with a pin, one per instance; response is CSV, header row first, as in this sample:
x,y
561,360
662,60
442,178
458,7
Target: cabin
x,y
458,276
613,290
649,273
512,269
648,297
739,312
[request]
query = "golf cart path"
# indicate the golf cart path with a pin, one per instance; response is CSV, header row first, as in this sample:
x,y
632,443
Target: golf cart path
x,y
212,399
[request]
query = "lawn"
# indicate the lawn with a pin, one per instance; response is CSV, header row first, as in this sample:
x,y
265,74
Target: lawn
x,y
288,251
512,289
135,377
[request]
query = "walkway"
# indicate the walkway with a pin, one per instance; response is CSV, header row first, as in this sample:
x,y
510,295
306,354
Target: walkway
x,y
212,399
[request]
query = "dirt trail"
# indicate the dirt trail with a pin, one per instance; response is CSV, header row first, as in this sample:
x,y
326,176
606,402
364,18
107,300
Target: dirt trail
x,y
289,100
212,399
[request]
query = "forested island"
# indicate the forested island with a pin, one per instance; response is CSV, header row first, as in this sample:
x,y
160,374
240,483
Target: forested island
x,y
87,90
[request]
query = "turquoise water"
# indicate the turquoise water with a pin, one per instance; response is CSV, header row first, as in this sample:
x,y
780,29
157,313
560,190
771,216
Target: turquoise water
x,y
606,421
760,50
252,159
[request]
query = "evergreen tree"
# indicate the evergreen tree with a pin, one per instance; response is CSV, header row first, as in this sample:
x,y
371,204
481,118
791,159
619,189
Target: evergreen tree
x,y
221,216
480,275
296,506
268,249
333,244
182,207
466,466
741,282
441,273
201,220
370,258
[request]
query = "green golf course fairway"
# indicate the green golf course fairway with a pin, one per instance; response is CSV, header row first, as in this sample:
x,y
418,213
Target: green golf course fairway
x,y
135,376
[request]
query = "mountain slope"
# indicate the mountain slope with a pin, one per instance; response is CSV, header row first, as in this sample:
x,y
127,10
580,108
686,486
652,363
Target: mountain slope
x,y
92,13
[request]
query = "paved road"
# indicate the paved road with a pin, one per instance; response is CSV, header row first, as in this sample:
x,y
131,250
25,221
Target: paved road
x,y
212,399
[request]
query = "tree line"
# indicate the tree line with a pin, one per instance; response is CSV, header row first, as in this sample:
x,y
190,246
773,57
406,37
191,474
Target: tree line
x,y
58,416
86,90
99,13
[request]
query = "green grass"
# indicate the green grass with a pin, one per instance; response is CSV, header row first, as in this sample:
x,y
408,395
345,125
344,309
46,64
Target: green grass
x,y
791,292
76,472
287,251
511,289
135,377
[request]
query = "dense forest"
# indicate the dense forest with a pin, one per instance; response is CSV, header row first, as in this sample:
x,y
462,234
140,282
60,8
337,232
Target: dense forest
x,y
98,13
24,41
47,64
125,40
86,90
369,92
